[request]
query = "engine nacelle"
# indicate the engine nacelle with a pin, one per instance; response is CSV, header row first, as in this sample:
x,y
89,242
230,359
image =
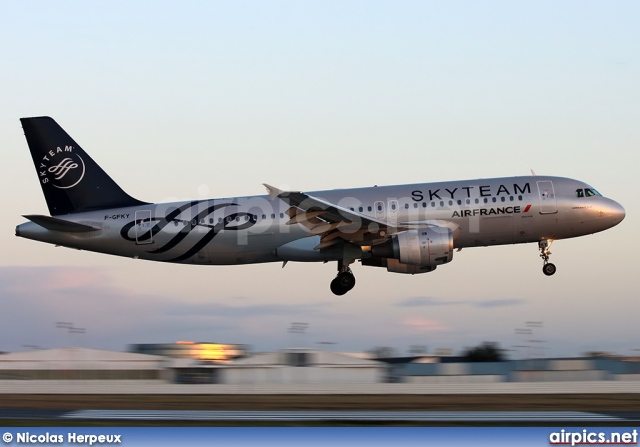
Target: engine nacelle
x,y
395,266
427,247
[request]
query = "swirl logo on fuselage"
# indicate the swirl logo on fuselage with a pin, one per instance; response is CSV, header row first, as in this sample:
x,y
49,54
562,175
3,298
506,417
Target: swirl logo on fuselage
x,y
186,232
61,167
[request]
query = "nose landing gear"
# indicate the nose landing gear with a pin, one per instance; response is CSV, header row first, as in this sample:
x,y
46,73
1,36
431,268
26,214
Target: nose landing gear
x,y
548,268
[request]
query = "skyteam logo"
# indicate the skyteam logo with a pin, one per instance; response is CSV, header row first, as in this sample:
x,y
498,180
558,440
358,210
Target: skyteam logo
x,y
62,167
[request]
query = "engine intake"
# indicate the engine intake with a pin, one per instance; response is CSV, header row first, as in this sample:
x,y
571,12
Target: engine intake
x,y
426,247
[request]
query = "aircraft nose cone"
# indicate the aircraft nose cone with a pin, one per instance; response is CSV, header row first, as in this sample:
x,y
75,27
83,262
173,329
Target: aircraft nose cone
x,y
617,213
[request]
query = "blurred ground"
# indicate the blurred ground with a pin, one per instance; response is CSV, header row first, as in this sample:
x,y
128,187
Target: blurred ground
x,y
523,402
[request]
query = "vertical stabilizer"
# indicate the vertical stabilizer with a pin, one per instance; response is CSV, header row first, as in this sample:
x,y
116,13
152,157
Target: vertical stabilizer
x,y
71,181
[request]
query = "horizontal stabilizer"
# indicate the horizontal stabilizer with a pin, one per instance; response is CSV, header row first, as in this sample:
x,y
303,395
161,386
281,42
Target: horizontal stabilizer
x,y
55,224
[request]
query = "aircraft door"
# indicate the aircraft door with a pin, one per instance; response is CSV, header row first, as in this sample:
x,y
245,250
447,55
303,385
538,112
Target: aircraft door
x,y
547,197
143,227
379,208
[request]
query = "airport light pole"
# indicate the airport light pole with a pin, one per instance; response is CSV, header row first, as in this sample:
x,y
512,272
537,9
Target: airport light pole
x,y
522,333
299,328
64,325
70,328
532,347
536,344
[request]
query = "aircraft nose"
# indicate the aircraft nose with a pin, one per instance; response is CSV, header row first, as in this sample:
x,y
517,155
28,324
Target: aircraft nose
x,y
617,212
607,213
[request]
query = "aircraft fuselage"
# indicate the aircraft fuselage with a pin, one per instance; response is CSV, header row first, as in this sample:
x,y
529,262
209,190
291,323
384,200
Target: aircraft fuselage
x,y
250,229
405,228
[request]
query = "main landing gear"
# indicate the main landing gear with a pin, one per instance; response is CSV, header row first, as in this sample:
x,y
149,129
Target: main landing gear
x,y
344,281
548,268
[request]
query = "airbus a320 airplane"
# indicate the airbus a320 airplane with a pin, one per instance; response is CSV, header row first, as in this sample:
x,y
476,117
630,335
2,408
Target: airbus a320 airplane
x,y
405,228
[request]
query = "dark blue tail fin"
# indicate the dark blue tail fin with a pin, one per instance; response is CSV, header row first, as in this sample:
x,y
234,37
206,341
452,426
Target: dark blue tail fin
x,y
71,181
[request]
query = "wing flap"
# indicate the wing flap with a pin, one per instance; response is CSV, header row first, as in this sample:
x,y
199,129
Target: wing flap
x,y
329,220
334,223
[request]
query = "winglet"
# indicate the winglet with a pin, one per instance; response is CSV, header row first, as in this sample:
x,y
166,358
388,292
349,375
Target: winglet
x,y
273,191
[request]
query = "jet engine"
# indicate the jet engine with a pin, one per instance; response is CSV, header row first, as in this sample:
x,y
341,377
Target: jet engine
x,y
426,247
395,266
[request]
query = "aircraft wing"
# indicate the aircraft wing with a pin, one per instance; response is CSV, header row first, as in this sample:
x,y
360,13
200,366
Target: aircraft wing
x,y
330,221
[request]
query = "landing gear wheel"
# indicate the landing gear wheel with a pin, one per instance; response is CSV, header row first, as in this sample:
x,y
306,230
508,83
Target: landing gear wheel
x,y
342,283
548,269
336,288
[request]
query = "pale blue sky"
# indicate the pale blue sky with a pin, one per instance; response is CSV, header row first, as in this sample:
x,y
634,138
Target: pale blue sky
x,y
211,99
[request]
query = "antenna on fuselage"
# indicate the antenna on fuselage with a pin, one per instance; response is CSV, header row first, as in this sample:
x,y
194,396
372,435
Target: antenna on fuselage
x,y
533,172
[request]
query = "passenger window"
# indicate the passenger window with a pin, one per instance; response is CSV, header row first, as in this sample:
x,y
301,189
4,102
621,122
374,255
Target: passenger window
x,y
406,206
502,199
360,209
273,216
459,202
424,204
486,200
379,207
415,204
579,193
368,208
281,215
219,219
450,202
477,201
433,204
494,200
210,220
441,203
520,198
510,198
264,216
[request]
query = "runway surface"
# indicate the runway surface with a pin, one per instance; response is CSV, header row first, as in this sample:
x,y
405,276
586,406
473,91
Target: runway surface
x,y
356,416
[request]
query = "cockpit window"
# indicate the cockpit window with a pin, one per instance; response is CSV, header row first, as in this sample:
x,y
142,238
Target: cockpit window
x,y
587,192
591,192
